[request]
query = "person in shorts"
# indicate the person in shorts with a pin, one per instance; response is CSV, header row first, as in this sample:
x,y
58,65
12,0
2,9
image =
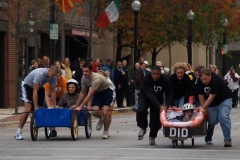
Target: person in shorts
x,y
101,93
33,92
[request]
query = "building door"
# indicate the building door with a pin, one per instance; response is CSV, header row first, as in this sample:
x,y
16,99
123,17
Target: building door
x,y
2,41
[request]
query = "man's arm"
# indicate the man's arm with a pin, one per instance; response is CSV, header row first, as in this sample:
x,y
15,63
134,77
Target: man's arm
x,y
53,96
35,95
209,101
47,98
81,96
87,98
201,99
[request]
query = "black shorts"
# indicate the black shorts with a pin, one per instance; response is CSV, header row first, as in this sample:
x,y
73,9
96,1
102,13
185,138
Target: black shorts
x,y
27,94
104,98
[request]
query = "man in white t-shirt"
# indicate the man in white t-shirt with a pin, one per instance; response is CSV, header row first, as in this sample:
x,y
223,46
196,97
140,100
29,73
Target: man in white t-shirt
x,y
231,78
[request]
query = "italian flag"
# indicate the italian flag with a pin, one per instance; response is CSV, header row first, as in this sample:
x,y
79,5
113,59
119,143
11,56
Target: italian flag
x,y
110,14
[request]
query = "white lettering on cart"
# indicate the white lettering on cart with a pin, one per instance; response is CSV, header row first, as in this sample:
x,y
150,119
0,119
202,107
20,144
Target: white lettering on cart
x,y
178,132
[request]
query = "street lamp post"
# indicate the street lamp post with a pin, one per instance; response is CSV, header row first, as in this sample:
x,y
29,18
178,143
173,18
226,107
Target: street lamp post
x,y
224,24
190,16
136,5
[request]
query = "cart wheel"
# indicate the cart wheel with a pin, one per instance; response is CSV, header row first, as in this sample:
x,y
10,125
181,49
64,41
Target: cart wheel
x,y
192,141
182,143
74,127
47,132
33,128
88,125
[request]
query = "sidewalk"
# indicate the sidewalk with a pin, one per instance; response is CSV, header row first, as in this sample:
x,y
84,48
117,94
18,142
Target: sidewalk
x,y
7,116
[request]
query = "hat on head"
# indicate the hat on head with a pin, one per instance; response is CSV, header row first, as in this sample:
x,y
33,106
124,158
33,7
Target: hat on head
x,y
159,63
145,62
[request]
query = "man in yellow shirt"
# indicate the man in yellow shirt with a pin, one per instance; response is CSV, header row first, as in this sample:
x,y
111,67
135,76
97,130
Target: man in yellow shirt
x,y
67,64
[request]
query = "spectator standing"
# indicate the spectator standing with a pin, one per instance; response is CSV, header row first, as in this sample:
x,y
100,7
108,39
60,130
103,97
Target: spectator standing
x,y
231,79
60,66
215,97
45,62
119,75
79,73
126,83
164,70
141,72
67,64
97,65
107,67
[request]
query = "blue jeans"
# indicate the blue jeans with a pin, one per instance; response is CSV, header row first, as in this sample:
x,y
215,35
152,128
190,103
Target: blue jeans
x,y
179,102
221,113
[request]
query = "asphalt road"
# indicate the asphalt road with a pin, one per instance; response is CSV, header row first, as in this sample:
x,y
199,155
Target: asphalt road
x,y
122,144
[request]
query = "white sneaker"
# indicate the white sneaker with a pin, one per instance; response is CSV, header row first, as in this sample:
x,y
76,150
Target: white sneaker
x,y
18,136
141,133
99,124
108,134
105,135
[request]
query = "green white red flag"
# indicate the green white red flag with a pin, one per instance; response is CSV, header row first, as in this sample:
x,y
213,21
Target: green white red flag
x,y
110,14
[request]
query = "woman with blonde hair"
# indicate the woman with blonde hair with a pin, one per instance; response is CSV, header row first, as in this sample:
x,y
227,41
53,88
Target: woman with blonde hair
x,y
181,84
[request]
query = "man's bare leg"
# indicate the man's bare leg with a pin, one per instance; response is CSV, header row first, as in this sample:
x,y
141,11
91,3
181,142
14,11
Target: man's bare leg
x,y
107,119
23,118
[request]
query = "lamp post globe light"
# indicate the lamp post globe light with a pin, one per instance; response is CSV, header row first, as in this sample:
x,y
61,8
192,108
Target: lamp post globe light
x,y
224,47
190,17
136,5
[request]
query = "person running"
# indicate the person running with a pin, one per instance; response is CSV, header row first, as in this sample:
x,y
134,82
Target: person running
x,y
102,96
181,85
215,97
33,92
151,95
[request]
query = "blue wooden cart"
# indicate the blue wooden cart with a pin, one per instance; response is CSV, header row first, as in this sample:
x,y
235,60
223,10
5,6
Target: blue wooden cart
x,y
60,117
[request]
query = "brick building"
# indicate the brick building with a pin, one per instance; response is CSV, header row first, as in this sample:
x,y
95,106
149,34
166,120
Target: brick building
x,y
8,52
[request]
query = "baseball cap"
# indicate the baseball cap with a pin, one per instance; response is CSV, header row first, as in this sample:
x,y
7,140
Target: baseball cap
x,y
145,62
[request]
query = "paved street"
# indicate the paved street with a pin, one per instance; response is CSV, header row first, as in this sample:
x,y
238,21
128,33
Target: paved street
x,y
122,144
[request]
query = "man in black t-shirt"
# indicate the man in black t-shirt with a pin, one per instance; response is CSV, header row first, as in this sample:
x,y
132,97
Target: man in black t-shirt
x,y
215,96
154,85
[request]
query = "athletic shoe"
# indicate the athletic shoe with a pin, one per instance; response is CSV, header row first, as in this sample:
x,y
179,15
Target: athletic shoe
x,y
228,144
209,142
18,136
105,135
141,133
186,118
108,134
99,124
152,141
53,133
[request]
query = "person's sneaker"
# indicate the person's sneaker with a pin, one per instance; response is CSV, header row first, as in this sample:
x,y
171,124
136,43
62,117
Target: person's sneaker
x,y
18,136
228,144
99,124
209,142
108,134
186,118
152,141
141,133
105,135
53,133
